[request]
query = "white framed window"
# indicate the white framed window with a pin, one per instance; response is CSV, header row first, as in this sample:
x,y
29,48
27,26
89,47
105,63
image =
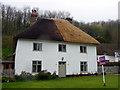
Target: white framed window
x,y
83,66
37,46
36,66
83,49
61,47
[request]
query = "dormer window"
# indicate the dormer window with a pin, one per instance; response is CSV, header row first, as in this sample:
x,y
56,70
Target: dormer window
x,y
37,46
83,49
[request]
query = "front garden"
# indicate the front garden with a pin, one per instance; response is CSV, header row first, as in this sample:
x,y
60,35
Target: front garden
x,y
51,81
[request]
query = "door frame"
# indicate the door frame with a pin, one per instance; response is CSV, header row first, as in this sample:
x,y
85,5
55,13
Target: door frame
x,y
59,69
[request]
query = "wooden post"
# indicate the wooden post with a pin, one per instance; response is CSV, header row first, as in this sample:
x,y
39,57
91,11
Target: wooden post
x,y
9,66
1,66
10,70
5,66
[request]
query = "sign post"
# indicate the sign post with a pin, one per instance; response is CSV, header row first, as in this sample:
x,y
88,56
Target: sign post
x,y
102,62
103,75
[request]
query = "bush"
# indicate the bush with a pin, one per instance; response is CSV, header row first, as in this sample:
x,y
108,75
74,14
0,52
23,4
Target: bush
x,y
104,73
54,75
18,77
80,74
12,80
4,79
24,76
7,79
89,74
43,75
96,73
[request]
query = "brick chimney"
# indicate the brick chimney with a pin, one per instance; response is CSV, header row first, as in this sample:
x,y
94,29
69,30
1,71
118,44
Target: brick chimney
x,y
33,17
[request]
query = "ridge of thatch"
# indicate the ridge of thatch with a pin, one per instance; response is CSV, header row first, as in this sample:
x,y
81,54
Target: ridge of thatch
x,y
55,29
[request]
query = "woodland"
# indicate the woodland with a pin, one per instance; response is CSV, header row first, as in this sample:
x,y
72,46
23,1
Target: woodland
x,y
16,20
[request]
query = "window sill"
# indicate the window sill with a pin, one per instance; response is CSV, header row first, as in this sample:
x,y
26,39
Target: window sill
x,y
84,72
37,50
62,51
83,53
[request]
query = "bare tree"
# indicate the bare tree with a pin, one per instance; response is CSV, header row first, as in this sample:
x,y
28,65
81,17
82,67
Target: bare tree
x,y
53,14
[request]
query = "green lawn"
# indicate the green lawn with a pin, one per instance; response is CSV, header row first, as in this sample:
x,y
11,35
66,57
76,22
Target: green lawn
x,y
74,82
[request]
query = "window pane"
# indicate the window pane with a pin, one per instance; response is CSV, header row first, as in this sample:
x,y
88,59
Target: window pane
x,y
40,46
39,62
81,62
60,63
64,48
85,62
34,68
34,62
12,66
60,47
63,62
37,46
85,67
38,68
84,49
7,66
81,49
81,67
34,46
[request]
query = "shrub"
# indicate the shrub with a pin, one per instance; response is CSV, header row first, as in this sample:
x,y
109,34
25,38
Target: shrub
x,y
42,75
12,80
7,79
4,79
96,73
80,74
89,74
18,77
54,75
24,76
104,73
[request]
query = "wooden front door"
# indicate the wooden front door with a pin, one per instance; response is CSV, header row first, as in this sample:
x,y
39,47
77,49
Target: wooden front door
x,y
62,69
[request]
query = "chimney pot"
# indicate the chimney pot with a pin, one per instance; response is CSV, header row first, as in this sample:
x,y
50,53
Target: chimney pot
x,y
33,16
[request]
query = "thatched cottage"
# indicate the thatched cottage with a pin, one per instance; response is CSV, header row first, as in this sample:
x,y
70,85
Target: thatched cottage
x,y
56,46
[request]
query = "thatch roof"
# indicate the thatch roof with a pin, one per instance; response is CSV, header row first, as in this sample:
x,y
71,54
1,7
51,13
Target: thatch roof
x,y
59,30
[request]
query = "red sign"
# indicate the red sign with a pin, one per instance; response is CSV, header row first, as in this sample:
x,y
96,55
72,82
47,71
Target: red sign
x,y
102,60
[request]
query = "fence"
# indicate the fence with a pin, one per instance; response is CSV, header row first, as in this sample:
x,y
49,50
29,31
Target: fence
x,y
109,69
8,72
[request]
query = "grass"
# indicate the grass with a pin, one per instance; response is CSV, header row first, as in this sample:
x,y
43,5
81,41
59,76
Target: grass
x,y
73,82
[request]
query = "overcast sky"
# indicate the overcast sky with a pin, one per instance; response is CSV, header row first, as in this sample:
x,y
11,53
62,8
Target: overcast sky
x,y
81,10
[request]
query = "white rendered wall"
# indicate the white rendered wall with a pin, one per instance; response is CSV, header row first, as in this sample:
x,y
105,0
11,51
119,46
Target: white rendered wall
x,y
50,56
117,56
110,58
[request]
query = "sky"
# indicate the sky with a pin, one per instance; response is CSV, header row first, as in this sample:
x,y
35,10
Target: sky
x,y
80,10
